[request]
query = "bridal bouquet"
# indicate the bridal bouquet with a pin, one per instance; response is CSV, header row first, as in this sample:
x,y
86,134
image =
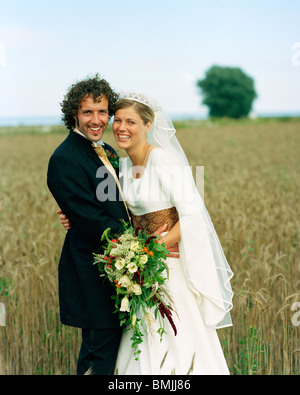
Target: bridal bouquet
x,y
135,264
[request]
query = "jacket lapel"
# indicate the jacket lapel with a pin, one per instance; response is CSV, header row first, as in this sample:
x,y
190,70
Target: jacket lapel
x,y
85,145
92,154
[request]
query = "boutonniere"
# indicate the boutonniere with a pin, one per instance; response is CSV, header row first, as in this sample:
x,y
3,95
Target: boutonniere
x,y
113,158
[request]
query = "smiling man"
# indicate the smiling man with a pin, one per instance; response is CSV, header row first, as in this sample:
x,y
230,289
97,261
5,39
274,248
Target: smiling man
x,y
85,301
92,117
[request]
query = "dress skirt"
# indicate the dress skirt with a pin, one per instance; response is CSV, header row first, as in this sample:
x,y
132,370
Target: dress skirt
x,y
195,350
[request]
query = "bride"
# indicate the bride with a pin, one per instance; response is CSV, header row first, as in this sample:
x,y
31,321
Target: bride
x,y
159,188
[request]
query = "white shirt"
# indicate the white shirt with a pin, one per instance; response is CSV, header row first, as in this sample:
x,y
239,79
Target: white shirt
x,y
100,142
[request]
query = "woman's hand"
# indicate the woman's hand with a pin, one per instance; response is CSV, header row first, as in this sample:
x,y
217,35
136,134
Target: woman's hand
x,y
173,249
64,220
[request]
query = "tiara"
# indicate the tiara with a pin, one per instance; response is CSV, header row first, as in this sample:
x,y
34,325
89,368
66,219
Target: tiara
x,y
141,98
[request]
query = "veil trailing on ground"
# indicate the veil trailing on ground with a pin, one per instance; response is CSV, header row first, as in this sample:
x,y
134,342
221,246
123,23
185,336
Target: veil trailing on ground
x,y
205,265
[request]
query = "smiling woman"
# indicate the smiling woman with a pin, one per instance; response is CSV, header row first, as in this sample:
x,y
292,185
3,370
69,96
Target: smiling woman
x,y
198,280
129,129
131,124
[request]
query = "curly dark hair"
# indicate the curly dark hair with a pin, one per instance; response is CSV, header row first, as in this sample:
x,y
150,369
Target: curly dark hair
x,y
94,87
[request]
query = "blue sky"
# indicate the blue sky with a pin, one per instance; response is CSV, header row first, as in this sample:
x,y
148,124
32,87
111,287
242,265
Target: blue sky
x,y
160,47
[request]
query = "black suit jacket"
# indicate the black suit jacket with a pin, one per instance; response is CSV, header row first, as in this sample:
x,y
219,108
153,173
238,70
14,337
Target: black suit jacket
x,y
85,300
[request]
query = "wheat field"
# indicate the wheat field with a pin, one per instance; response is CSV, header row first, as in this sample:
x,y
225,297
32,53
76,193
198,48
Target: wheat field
x,y
251,172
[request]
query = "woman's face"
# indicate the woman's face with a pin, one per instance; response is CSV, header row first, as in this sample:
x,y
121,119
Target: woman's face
x,y
129,129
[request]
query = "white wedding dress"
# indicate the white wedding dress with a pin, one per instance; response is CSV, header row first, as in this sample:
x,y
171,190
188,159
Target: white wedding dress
x,y
198,282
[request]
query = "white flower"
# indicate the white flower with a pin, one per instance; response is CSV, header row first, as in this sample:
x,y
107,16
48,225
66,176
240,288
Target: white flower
x,y
134,246
125,281
134,289
118,251
125,237
132,267
130,288
137,290
143,259
129,255
133,319
125,304
120,263
149,319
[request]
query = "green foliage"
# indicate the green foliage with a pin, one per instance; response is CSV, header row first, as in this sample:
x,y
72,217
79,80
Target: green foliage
x,y
252,353
227,91
135,264
5,284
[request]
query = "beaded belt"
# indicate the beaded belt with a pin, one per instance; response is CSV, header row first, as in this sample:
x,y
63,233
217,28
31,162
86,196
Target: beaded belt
x,y
153,221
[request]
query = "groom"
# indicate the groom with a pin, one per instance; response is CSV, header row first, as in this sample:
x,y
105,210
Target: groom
x,y
85,301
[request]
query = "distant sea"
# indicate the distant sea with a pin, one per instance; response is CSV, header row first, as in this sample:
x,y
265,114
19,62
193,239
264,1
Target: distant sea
x,y
30,121
56,120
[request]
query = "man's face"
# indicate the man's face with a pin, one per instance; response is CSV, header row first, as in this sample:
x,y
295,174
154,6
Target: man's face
x,y
92,118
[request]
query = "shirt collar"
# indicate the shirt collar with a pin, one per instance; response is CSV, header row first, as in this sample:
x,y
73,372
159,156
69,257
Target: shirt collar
x,y
100,142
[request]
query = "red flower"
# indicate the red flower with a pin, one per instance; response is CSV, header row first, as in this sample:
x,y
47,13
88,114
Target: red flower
x,y
164,311
137,229
149,239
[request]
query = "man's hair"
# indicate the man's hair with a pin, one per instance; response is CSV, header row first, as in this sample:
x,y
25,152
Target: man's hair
x,y
93,87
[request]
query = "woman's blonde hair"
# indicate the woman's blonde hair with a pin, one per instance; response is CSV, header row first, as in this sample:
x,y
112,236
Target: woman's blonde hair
x,y
145,112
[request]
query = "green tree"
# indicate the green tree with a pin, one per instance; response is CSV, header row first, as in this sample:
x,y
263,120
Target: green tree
x,y
227,91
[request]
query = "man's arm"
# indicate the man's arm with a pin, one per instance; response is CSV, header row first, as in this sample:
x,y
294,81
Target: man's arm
x,y
174,249
74,194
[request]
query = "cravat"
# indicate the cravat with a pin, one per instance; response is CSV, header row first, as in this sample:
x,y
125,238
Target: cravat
x,y
102,155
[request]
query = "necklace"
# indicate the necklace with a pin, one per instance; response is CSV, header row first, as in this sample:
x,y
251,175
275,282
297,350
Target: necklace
x,y
139,169
146,150
146,154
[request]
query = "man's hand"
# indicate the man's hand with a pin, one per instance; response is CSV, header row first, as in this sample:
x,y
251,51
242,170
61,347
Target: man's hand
x,y
174,249
64,220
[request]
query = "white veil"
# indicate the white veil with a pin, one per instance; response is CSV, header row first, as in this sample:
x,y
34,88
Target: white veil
x,y
205,265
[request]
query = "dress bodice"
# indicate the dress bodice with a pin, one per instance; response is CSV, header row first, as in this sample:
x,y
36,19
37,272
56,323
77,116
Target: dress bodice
x,y
144,195
150,205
